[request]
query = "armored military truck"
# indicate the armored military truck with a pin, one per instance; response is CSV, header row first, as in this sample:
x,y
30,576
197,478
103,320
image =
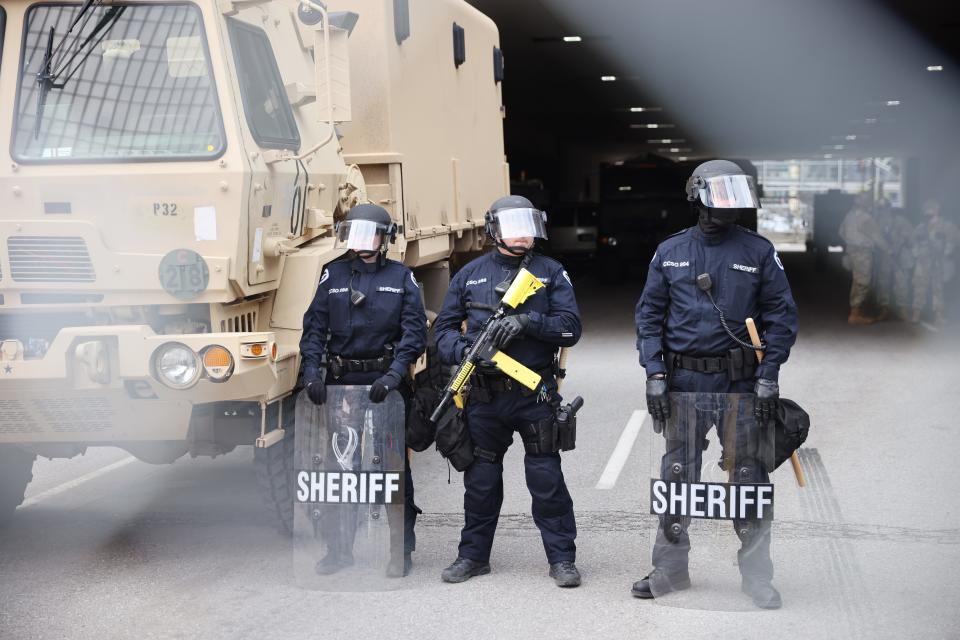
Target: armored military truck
x,y
175,172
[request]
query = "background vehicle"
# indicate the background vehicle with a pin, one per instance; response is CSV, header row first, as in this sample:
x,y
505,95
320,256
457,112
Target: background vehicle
x,y
170,196
573,231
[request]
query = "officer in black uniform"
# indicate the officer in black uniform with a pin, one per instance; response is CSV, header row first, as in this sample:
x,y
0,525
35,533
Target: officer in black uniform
x,y
367,318
497,406
684,347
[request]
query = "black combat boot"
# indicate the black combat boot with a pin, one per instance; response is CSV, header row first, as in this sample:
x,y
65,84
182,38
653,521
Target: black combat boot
x,y
565,574
463,569
659,583
762,591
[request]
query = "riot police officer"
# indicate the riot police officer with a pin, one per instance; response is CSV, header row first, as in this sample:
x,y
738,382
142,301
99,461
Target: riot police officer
x,y
684,346
497,406
367,319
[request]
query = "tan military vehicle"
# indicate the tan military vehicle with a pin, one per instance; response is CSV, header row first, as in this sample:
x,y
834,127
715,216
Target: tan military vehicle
x,y
175,173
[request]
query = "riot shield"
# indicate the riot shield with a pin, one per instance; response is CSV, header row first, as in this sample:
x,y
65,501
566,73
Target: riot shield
x,y
348,511
711,500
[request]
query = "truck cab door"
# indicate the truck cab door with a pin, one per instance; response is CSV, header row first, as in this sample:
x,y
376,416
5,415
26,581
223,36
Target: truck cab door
x,y
272,202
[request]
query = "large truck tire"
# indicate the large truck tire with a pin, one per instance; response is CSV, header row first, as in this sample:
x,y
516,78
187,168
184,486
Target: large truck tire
x,y
276,477
16,472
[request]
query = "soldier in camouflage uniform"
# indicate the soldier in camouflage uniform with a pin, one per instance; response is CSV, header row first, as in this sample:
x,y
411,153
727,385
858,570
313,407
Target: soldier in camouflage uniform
x,y
934,241
894,267
862,238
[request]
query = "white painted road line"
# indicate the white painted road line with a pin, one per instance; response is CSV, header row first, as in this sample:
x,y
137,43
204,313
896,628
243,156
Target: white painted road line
x,y
76,482
622,451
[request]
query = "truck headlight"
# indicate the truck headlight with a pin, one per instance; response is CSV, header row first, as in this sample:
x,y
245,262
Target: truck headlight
x,y
217,363
176,365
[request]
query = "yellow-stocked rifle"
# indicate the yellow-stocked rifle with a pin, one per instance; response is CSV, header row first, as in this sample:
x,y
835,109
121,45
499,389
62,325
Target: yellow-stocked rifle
x,y
524,285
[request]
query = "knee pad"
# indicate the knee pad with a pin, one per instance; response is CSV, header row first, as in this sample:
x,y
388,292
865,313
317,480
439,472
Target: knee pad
x,y
746,474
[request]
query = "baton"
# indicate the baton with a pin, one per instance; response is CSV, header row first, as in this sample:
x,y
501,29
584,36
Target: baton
x,y
794,458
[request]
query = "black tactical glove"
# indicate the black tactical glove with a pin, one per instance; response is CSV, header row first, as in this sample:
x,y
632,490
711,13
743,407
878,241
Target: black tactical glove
x,y
486,367
765,406
384,385
658,403
317,391
507,328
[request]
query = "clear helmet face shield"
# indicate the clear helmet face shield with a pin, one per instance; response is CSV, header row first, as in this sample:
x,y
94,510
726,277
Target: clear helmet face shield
x,y
520,223
728,192
360,235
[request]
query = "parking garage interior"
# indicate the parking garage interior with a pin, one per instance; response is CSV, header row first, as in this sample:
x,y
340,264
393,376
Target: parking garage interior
x,y
605,117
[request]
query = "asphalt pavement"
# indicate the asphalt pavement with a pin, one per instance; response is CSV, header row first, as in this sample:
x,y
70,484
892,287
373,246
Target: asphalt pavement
x,y
110,547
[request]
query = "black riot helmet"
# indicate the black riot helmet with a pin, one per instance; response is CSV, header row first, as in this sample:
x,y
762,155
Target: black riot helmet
x,y
720,191
366,230
514,217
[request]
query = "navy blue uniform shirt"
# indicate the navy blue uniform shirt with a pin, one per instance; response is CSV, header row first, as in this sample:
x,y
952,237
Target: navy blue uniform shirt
x,y
554,318
391,314
748,281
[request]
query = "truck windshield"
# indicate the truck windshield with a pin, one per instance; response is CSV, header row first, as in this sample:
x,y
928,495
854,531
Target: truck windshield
x,y
115,82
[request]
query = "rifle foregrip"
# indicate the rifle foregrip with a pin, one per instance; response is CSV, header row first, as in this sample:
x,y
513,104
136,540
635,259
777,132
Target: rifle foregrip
x,y
461,378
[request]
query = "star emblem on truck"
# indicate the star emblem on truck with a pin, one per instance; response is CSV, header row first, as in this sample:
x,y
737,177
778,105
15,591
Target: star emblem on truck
x,y
8,369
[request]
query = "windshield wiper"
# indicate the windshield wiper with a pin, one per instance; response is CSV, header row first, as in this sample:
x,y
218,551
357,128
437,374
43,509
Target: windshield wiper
x,y
47,78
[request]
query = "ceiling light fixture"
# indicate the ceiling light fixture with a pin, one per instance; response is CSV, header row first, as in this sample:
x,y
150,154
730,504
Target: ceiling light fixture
x,y
608,78
851,136
572,39
893,103
666,141
870,121
935,67
651,126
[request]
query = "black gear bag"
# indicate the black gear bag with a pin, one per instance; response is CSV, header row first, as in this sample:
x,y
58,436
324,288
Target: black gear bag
x,y
421,432
453,438
791,426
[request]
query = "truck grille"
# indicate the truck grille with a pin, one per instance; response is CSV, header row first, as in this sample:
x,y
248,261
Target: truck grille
x,y
57,415
240,323
49,259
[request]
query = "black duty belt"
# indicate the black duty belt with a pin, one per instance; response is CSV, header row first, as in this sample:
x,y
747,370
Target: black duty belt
x,y
739,364
708,364
499,383
340,365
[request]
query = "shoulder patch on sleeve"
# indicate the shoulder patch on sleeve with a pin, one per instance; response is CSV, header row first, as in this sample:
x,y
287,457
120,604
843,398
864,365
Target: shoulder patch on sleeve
x,y
566,276
414,280
776,258
325,276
